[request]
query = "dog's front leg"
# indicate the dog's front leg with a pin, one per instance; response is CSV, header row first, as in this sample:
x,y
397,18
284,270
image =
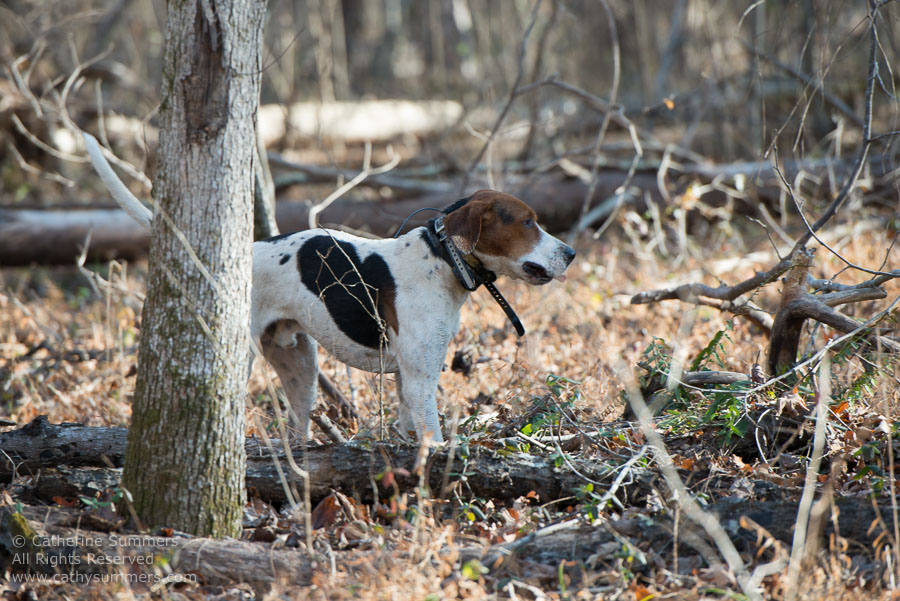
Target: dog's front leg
x,y
418,389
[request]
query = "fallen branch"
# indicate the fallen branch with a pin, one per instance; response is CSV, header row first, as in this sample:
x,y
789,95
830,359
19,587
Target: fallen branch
x,y
353,468
328,175
56,237
691,292
212,561
797,305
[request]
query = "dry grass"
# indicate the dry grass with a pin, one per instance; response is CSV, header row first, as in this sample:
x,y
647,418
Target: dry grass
x,y
69,353
576,329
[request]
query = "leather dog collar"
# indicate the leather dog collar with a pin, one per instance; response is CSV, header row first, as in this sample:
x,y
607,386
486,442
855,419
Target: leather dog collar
x,y
468,276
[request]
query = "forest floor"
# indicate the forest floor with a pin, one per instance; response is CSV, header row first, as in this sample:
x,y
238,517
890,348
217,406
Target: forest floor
x,y
68,351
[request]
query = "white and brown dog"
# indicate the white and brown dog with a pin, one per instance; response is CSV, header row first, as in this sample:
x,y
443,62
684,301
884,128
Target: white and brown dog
x,y
387,306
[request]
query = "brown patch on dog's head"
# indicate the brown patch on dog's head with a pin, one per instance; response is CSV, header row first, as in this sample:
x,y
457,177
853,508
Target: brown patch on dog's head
x,y
493,223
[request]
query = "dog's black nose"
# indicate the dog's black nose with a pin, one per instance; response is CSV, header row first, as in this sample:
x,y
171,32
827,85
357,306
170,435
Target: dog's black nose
x,y
568,253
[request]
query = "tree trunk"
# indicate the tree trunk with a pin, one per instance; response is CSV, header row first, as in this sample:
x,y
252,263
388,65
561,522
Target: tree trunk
x,y
184,464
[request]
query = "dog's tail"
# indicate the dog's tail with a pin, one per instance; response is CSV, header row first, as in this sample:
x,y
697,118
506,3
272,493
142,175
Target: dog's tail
x,y
120,193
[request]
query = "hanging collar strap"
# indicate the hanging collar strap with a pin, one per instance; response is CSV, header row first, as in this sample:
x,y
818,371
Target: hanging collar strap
x,y
468,276
510,313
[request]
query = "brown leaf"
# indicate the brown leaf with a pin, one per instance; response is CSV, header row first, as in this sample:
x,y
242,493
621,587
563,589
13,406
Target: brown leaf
x,y
684,463
841,408
326,512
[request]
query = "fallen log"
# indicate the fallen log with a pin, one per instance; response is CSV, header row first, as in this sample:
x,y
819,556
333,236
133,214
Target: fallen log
x,y
354,468
754,526
56,237
748,522
84,555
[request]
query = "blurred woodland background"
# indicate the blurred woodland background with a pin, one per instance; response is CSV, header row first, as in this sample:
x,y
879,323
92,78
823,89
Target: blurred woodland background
x,y
685,144
722,80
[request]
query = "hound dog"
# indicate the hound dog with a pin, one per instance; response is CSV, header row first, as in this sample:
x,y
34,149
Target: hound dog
x,y
388,306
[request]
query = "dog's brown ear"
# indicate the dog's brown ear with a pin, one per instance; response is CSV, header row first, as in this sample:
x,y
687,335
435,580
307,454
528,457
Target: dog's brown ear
x,y
464,225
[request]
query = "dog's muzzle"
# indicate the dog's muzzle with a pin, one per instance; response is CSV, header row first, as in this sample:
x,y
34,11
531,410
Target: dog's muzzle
x,y
536,273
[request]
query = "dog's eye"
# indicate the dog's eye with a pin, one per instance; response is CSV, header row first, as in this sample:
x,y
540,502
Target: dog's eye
x,y
528,223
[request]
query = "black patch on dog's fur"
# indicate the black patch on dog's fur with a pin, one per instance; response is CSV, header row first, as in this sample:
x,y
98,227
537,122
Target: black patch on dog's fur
x,y
284,259
333,274
435,251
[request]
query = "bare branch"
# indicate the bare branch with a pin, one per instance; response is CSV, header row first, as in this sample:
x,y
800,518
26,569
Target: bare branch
x,y
830,286
360,177
843,297
842,196
803,78
723,292
520,70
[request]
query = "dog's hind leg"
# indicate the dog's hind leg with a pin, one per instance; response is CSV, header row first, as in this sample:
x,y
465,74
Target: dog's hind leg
x,y
294,357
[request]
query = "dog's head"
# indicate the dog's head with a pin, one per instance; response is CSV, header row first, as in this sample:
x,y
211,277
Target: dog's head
x,y
502,232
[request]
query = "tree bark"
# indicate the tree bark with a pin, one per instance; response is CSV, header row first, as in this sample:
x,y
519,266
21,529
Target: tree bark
x,y
184,463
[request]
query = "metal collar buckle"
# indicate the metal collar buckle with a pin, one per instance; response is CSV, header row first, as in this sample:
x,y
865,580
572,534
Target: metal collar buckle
x,y
460,267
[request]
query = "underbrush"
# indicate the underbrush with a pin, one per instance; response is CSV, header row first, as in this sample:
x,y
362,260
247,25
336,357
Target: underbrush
x,y
68,350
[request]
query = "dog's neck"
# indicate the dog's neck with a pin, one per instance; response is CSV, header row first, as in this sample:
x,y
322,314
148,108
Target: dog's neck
x,y
467,269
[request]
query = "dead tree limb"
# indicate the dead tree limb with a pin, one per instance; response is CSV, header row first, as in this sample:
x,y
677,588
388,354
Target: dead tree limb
x,y
830,286
212,561
352,468
797,306
690,292
785,340
782,346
